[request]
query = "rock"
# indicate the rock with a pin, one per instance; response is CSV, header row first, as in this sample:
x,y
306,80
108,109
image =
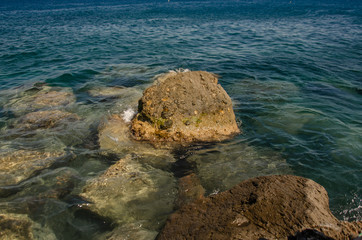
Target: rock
x,y
18,165
114,135
129,232
45,119
269,207
189,190
130,193
21,227
41,98
185,107
222,166
52,99
109,92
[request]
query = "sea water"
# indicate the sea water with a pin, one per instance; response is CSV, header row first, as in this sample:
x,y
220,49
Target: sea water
x,y
292,68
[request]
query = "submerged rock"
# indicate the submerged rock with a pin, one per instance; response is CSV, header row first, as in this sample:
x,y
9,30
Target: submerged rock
x,y
189,190
114,135
269,207
222,166
129,232
41,98
21,227
130,193
185,107
18,165
52,99
46,119
110,92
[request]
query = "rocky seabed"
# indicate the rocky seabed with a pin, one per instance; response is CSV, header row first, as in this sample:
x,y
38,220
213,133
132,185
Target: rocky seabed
x,y
146,191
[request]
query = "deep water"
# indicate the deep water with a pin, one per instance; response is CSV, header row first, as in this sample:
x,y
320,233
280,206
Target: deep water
x,y
293,70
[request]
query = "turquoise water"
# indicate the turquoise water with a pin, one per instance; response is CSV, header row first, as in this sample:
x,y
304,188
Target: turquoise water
x,y
293,71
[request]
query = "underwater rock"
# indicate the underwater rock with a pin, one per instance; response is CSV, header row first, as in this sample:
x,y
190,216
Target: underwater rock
x,y
129,232
224,165
130,193
189,190
109,92
21,227
114,135
43,97
185,107
269,207
18,165
52,99
45,119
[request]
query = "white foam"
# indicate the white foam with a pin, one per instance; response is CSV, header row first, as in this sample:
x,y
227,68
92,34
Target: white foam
x,y
128,114
179,70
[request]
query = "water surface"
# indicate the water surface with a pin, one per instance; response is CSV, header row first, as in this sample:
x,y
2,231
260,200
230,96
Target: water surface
x,y
293,71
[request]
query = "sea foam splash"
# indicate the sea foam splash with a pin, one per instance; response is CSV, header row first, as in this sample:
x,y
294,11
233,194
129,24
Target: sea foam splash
x,y
128,114
179,70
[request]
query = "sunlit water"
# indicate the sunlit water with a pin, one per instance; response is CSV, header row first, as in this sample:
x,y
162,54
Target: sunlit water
x,y
293,71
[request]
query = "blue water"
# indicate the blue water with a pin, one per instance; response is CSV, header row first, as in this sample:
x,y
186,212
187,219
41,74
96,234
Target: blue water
x,y
293,70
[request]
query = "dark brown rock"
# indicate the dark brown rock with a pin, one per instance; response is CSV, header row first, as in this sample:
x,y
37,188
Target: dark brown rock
x,y
185,107
189,190
271,207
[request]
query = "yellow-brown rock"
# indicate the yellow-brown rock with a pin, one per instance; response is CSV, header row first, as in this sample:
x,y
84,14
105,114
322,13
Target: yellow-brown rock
x,y
184,108
18,165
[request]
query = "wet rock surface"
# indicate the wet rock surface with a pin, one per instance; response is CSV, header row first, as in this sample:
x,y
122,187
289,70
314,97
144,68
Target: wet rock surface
x,y
185,107
114,135
21,227
45,119
110,92
269,207
127,183
189,190
129,232
18,165
40,98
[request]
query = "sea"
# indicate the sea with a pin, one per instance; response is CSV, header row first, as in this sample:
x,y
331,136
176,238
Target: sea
x,y
292,68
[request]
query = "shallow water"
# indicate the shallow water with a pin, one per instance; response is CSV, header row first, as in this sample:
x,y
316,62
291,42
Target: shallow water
x,y
293,72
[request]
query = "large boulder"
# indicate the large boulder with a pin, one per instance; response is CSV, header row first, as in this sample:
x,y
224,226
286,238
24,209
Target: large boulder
x,y
185,107
269,207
